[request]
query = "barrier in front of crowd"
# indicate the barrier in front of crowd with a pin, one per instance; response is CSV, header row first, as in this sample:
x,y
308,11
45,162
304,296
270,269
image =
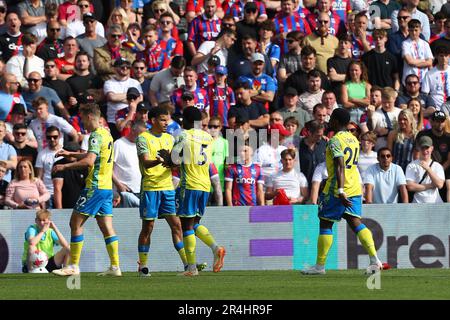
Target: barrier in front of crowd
x,y
257,238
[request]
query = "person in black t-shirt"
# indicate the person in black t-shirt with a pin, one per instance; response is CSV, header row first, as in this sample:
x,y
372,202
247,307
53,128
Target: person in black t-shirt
x,y
83,83
11,41
62,88
337,66
21,144
245,108
69,183
381,64
299,79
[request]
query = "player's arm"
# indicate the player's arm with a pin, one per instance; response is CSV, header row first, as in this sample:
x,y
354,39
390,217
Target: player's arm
x,y
215,182
339,168
70,154
228,188
57,192
87,161
369,193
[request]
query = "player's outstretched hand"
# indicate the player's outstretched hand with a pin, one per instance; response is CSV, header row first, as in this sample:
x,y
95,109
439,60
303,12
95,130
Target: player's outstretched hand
x,y
166,157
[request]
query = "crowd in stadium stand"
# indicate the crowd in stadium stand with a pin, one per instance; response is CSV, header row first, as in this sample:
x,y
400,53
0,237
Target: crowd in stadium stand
x,y
265,74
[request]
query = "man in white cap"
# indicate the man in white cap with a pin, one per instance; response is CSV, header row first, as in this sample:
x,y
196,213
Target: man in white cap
x,y
263,87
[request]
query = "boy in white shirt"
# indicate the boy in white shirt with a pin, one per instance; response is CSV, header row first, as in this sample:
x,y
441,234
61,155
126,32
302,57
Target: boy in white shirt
x,y
416,52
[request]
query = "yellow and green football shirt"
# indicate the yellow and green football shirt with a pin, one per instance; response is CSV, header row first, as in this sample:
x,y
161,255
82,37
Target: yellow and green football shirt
x,y
195,148
157,178
100,174
343,144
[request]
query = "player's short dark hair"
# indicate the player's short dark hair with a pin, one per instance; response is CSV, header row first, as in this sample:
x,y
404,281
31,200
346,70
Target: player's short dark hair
x,y
51,129
226,31
155,112
341,115
376,88
191,115
166,14
242,84
318,106
81,53
296,35
249,36
307,51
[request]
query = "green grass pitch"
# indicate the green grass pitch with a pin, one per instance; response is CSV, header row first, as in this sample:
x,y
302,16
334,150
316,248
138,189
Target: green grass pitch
x,y
240,285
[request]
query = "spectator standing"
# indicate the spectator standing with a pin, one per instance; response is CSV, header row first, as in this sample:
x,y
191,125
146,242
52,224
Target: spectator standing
x,y
115,90
51,47
262,85
26,191
411,8
204,27
126,174
361,41
61,87
219,147
443,40
78,26
412,90
337,65
105,56
221,96
23,64
384,120
255,114
67,185
401,140
381,64
290,108
199,95
299,79
367,156
32,13
425,176
386,8
384,181
312,149
166,81
355,92
244,181
46,158
322,41
416,53
437,81
89,40
291,60
7,153
313,95
288,179
44,120
9,95
25,147
441,146
11,40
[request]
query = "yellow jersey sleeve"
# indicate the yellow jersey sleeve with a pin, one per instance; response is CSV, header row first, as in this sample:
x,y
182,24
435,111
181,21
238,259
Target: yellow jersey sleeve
x,y
100,174
157,178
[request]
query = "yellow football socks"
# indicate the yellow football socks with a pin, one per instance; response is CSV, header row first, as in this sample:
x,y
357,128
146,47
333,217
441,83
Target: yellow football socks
x,y
112,245
76,245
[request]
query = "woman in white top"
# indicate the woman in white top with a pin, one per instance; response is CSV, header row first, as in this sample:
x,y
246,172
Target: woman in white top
x,y
294,183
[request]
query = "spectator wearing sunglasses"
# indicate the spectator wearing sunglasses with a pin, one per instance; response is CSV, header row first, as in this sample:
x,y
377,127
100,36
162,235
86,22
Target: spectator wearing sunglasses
x,y
239,9
24,141
385,181
290,61
78,26
105,56
51,47
91,38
